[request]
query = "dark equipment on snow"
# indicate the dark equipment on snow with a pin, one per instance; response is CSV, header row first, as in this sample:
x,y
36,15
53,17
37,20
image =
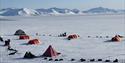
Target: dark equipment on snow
x,y
29,55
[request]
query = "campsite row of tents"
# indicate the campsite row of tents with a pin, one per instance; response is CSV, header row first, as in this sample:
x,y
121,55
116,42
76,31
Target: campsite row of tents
x,y
32,41
23,35
50,52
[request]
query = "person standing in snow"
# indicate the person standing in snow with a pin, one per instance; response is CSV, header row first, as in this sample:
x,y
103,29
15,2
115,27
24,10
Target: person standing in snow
x,y
7,42
1,39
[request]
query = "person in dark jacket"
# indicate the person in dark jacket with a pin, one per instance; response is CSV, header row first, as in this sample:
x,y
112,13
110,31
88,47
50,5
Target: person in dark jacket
x,y
7,42
1,39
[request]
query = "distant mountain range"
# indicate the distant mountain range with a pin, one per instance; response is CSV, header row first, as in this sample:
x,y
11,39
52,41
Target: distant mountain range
x,y
56,11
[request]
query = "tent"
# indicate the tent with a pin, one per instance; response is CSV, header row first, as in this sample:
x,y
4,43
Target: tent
x,y
24,37
116,38
29,55
20,32
50,52
34,41
73,36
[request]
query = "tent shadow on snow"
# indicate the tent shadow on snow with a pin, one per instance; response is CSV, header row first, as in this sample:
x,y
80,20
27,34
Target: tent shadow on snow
x,y
32,42
28,55
65,39
109,41
18,58
24,44
23,58
3,19
112,41
2,45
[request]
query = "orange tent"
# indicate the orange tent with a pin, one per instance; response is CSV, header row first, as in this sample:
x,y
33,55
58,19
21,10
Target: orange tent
x,y
116,38
34,41
24,37
50,52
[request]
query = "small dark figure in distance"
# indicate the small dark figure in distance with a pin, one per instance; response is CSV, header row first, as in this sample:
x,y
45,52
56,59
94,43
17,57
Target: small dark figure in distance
x,y
82,59
45,58
116,60
99,59
92,60
89,36
50,59
100,36
97,36
60,59
56,60
107,36
107,60
62,35
72,59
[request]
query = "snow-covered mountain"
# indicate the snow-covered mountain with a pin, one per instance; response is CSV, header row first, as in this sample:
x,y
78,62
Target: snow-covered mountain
x,y
33,12
9,12
101,10
55,11
18,12
26,11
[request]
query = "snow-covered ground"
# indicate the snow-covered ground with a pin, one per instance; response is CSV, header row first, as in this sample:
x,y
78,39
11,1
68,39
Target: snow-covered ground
x,y
83,47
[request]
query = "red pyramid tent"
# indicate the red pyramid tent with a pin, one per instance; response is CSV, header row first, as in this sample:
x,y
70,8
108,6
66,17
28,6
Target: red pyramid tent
x,y
50,52
34,41
73,36
116,38
24,37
